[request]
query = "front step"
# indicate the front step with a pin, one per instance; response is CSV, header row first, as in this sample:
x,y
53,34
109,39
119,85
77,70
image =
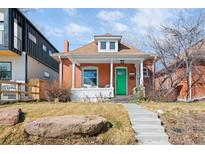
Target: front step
x,y
156,143
146,121
149,129
143,116
152,137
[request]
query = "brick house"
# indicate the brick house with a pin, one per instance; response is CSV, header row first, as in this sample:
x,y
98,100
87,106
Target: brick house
x,y
104,68
195,79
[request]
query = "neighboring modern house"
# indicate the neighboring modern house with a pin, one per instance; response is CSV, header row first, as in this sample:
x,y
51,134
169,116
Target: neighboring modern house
x,y
104,68
24,51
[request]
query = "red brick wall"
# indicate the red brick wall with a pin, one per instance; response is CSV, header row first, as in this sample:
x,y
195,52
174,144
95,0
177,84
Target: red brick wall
x,y
198,81
104,75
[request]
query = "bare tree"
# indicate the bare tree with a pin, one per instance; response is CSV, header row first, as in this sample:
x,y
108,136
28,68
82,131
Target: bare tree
x,y
177,48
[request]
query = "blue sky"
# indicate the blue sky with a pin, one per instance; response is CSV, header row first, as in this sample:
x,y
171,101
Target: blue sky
x,y
79,25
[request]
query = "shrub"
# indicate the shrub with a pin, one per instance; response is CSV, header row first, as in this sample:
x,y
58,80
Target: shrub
x,y
139,94
55,92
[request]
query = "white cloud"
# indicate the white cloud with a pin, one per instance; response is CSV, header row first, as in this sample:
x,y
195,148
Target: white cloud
x,y
54,31
74,28
110,15
145,19
119,27
70,11
70,29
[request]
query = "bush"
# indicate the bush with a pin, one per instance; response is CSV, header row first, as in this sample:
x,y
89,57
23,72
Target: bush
x,y
139,94
55,92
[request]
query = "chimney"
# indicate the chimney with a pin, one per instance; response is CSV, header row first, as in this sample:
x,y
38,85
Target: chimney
x,y
66,46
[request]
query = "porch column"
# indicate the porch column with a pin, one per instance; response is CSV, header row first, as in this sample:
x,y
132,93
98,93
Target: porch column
x,y
137,74
141,73
73,75
111,74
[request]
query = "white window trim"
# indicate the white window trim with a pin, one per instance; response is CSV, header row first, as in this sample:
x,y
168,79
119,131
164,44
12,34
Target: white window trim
x,y
108,46
89,68
105,46
114,43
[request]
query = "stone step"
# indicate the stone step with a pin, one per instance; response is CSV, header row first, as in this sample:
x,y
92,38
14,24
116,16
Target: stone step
x,y
156,143
149,130
152,137
142,115
146,126
148,121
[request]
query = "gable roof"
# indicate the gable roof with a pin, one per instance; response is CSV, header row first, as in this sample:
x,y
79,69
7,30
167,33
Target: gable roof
x,y
92,49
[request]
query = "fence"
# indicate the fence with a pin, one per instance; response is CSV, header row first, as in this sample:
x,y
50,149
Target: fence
x,y
10,90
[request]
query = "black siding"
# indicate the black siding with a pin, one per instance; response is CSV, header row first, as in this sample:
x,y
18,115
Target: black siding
x,y
34,50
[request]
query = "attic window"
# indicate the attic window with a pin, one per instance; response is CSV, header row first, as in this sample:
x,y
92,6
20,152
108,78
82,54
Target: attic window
x,y
103,45
112,45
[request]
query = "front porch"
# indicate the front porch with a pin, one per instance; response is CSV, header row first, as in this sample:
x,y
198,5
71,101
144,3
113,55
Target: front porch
x,y
104,79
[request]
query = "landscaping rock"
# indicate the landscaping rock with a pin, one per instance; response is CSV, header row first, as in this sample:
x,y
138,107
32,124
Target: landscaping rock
x,y
72,126
9,116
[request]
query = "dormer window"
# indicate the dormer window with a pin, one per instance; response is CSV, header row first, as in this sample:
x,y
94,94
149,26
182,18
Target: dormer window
x,y
107,42
103,45
112,45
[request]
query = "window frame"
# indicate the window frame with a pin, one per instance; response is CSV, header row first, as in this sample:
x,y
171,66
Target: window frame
x,y
101,45
110,45
16,35
90,68
10,63
32,38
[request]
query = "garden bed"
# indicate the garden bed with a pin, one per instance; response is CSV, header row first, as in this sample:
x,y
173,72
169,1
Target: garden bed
x,y
184,122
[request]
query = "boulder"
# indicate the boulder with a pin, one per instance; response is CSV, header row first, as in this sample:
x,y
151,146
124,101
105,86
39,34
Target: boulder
x,y
72,126
10,116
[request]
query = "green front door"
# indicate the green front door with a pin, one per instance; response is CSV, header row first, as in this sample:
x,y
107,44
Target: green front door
x,y
121,81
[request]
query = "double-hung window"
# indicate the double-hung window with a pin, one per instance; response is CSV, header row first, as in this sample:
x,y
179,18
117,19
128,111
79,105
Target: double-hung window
x,y
103,45
5,71
112,45
90,76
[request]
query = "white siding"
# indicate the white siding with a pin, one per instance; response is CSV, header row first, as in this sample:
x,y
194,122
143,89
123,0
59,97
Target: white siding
x,y
18,66
34,68
37,70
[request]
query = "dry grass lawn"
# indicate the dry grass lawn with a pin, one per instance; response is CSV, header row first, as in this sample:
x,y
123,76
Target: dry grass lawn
x,y
184,122
120,133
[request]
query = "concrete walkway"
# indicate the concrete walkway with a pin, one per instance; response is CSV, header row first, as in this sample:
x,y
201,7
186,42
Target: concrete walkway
x,y
147,125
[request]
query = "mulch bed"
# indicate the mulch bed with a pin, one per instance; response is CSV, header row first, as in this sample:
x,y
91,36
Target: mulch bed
x,y
185,128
